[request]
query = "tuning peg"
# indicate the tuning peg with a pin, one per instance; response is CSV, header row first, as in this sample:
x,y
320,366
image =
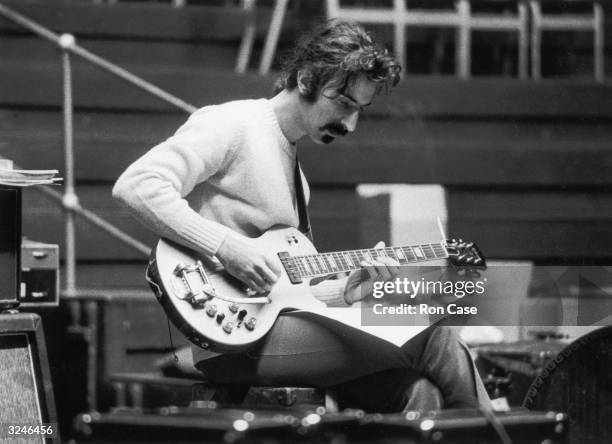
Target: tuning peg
x,y
469,245
469,260
461,257
478,261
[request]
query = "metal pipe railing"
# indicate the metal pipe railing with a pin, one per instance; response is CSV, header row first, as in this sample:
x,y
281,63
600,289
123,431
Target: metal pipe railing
x,y
67,42
98,221
69,200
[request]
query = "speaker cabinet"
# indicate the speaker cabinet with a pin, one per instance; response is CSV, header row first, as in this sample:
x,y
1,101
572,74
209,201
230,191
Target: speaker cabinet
x,y
579,381
26,391
10,246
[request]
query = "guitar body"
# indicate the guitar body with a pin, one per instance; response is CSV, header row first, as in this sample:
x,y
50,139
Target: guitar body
x,y
217,312
217,324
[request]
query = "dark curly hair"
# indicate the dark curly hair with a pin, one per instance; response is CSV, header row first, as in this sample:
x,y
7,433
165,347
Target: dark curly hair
x,y
337,52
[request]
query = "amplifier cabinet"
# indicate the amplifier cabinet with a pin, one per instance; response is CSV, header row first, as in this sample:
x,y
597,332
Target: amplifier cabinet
x,y
10,238
39,274
26,390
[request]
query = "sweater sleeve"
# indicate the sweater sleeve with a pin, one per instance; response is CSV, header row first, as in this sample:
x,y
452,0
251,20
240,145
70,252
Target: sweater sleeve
x,y
154,186
331,292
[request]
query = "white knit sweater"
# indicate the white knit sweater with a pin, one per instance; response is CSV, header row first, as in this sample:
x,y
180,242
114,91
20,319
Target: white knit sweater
x,y
229,167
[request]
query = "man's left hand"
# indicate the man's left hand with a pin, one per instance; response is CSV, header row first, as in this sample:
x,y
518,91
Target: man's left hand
x,y
385,268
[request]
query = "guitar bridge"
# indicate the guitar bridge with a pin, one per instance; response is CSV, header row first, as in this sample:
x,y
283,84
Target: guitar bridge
x,y
197,288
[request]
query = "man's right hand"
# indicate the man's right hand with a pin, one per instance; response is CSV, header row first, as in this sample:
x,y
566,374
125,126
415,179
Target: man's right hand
x,y
243,260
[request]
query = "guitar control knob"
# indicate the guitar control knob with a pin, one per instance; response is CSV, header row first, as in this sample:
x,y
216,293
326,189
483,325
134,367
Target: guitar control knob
x,y
228,327
241,314
234,307
220,317
211,310
250,324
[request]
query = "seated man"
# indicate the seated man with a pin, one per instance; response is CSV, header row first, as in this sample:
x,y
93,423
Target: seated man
x,y
227,175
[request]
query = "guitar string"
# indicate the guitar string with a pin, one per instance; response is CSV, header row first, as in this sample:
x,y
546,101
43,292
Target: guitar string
x,y
313,265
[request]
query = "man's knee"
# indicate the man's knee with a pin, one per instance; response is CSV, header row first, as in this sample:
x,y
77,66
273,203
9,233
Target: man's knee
x,y
445,336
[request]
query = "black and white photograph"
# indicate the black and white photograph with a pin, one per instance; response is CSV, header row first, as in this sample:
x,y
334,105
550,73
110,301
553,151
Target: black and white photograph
x,y
306,221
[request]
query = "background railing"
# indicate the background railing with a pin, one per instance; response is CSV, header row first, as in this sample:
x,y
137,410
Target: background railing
x,y
69,199
528,21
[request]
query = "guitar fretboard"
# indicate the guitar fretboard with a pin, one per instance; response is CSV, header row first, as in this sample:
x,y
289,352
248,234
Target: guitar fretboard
x,y
321,264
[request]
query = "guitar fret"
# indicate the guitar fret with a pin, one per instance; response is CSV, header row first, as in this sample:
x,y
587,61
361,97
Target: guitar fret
x,y
436,250
348,260
418,252
341,262
322,264
355,258
296,263
314,265
328,266
429,253
443,252
333,267
308,266
305,265
390,252
343,265
332,259
315,260
410,257
399,254
302,266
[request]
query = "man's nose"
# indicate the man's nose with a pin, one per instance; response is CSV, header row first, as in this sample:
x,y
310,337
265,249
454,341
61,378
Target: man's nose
x,y
350,121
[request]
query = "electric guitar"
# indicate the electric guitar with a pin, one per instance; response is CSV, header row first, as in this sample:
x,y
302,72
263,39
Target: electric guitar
x,y
218,312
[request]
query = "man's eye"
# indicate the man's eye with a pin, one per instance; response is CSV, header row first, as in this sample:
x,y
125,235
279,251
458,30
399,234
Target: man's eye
x,y
344,104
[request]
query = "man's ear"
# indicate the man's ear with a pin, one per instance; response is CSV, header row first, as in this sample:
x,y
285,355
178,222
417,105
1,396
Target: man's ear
x,y
305,83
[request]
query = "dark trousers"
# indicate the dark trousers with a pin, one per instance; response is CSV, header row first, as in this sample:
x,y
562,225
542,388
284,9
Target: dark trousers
x,y
303,349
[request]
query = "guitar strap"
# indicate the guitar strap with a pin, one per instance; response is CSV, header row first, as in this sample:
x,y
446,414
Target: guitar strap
x,y
304,225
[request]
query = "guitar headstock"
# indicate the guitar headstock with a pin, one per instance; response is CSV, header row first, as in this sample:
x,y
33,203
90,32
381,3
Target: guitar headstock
x,y
465,254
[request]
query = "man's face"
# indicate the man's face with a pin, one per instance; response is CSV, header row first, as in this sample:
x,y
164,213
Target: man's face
x,y
335,113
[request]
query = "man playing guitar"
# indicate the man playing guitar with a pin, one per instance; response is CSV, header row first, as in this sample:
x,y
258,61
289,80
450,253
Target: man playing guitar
x,y
227,176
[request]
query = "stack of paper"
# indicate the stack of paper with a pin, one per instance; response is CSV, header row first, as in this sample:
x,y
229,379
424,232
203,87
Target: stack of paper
x,y
26,178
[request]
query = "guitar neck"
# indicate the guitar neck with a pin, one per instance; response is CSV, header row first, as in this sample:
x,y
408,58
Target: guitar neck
x,y
314,265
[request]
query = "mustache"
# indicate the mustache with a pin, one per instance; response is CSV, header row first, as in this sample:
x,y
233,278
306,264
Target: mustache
x,y
335,129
